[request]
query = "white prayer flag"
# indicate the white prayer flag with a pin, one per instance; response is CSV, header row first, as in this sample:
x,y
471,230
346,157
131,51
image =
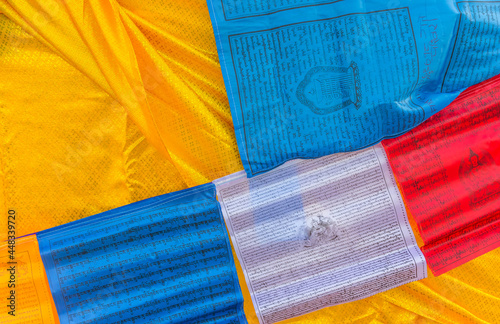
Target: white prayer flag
x,y
317,233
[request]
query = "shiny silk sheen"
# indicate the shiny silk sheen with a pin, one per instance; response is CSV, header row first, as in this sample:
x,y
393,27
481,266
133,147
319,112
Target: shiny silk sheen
x,y
103,103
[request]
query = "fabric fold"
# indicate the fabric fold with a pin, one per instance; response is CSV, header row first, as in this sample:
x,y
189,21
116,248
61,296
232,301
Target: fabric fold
x,y
126,58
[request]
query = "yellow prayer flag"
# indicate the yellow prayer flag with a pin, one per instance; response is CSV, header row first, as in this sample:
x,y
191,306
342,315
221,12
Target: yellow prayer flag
x,y
28,289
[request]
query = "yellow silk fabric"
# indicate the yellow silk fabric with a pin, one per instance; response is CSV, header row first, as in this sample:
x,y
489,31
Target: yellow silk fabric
x,y
34,302
107,102
157,59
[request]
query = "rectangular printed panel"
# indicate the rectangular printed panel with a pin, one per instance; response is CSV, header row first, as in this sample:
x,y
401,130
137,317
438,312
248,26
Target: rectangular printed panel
x,y
322,78
321,232
166,259
449,170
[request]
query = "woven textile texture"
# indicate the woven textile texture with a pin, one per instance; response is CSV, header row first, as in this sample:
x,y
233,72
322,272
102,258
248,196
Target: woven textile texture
x,y
103,103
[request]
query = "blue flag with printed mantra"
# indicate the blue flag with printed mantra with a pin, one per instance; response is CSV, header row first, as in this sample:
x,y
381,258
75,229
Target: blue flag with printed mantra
x,y
308,78
166,259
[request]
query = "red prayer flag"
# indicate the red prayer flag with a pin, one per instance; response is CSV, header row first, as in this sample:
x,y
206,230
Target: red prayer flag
x,y
449,171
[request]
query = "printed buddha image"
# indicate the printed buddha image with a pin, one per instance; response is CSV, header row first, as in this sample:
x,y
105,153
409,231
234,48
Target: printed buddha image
x,y
318,230
477,177
326,89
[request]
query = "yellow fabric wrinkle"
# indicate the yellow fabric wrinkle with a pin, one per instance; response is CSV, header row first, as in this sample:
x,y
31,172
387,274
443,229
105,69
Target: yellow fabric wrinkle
x,y
445,299
218,138
66,139
117,73
458,299
188,49
147,172
141,96
164,91
52,36
136,142
417,295
388,310
225,137
479,291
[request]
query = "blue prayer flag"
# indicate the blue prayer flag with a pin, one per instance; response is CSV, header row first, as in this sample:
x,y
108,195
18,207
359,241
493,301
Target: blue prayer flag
x,y
308,78
165,259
